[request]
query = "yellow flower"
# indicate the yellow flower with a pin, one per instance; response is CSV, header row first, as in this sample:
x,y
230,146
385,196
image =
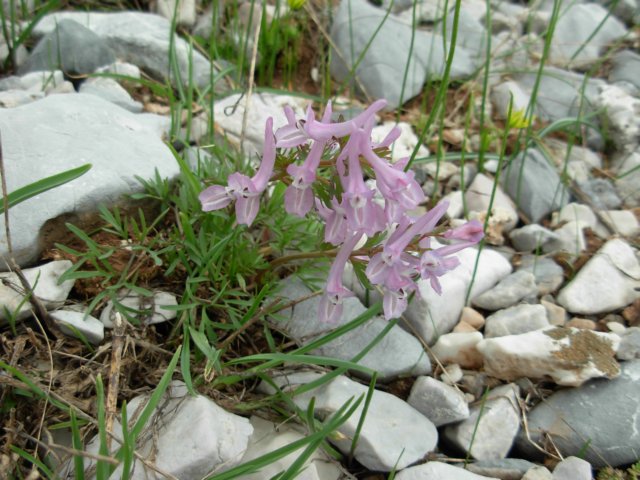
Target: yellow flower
x,y
518,121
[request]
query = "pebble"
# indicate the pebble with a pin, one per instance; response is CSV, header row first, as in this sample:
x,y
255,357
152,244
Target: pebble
x,y
572,468
185,9
472,317
576,212
627,168
625,68
70,47
122,146
45,282
572,236
623,222
515,320
192,437
386,442
617,327
548,274
438,471
398,353
491,428
508,291
139,309
268,437
503,468
556,315
623,116
629,344
538,473
452,374
601,192
582,323
404,145
79,325
534,237
121,31
463,327
458,348
439,402
607,282
612,408
534,185
477,199
568,356
110,90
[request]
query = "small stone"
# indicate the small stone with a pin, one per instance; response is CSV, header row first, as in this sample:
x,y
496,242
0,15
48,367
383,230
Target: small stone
x,y
576,212
556,315
472,317
629,344
607,412
617,328
458,348
111,91
15,98
504,468
538,473
140,309
572,236
508,291
452,374
568,356
45,282
79,325
535,238
439,402
185,9
478,195
515,320
386,441
572,468
492,426
437,471
622,112
463,327
548,274
601,193
623,222
607,282
582,323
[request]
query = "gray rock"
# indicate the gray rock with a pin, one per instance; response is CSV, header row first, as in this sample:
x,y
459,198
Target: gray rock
x,y
534,185
627,169
503,468
68,131
629,344
569,356
439,402
625,68
438,471
387,441
382,68
268,436
139,309
188,437
45,81
581,32
45,282
70,47
572,468
508,292
535,237
398,354
515,320
186,10
73,323
490,430
607,282
142,39
111,91
548,274
538,473
601,193
612,434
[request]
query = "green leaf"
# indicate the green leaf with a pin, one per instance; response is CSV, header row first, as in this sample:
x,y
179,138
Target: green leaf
x,y
41,186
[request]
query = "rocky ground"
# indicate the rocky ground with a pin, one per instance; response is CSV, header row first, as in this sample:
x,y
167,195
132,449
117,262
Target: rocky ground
x,y
526,367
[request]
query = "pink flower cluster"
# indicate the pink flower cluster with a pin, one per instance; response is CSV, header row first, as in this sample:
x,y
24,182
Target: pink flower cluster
x,y
354,211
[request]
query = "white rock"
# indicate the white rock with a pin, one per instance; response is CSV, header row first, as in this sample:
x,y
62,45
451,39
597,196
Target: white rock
x,y
509,291
456,204
438,471
573,212
458,348
478,196
572,468
268,436
404,145
121,68
387,441
623,222
452,374
44,280
572,237
538,473
16,98
186,10
229,111
607,282
439,402
188,436
111,91
568,356
71,322
623,114
515,320
145,310
490,430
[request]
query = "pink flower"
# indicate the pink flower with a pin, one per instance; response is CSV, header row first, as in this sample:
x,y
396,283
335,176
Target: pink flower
x,y
472,231
244,190
331,302
325,131
435,263
335,219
